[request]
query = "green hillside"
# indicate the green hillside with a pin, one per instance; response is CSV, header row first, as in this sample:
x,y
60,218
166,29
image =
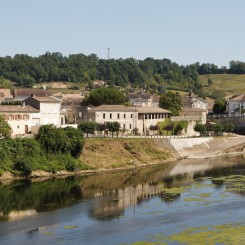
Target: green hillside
x,y
229,83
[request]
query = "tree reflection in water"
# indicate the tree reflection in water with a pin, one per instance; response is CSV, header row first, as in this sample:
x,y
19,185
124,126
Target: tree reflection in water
x,y
113,192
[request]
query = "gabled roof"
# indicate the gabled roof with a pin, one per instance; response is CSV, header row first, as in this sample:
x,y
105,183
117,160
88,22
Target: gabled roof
x,y
17,108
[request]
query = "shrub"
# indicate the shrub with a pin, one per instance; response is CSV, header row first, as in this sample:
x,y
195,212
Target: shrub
x,y
23,167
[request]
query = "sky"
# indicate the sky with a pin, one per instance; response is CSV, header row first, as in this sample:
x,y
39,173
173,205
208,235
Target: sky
x,y
184,31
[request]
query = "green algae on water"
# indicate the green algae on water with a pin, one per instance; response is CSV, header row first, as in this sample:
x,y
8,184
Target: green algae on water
x,y
221,234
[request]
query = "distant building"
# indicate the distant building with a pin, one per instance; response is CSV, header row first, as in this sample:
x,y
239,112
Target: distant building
x,y
20,118
236,105
128,117
143,99
99,84
49,108
194,102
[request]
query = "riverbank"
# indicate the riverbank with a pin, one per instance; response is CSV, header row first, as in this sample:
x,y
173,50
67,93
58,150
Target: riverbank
x,y
104,154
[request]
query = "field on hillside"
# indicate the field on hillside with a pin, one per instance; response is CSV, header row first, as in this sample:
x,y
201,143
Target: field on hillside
x,y
229,83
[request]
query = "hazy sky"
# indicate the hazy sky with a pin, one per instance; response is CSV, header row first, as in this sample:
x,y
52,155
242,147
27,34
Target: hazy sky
x,y
185,31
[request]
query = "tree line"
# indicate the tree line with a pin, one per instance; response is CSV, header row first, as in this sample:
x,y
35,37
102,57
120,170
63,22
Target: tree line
x,y
25,71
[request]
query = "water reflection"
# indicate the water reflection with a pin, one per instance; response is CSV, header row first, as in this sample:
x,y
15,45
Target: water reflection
x,y
113,193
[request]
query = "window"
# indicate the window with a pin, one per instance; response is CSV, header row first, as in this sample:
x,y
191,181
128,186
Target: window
x,y
18,117
26,117
118,115
130,126
103,115
110,115
132,115
124,115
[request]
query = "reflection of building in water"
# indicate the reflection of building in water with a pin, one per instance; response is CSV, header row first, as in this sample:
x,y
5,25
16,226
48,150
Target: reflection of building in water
x,y
111,204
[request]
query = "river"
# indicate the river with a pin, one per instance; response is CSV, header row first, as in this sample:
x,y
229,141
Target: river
x,y
188,202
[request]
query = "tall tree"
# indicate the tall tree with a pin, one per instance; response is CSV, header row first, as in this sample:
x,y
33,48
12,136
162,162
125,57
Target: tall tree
x,y
171,101
106,96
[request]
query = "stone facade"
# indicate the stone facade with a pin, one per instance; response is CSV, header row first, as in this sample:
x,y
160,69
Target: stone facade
x,y
20,118
129,118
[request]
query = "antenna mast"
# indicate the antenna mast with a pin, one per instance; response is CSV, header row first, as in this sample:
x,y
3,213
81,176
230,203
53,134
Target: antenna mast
x,y
108,53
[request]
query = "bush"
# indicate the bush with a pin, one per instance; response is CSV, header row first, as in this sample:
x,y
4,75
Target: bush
x,y
23,167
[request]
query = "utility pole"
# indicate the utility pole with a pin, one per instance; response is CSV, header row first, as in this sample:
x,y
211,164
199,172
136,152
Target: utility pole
x,y
108,53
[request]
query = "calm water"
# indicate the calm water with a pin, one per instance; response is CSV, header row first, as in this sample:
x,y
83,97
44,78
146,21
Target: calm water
x,y
191,202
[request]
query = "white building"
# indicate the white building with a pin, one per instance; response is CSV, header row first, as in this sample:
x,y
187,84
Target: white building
x,y
126,116
49,109
194,102
236,105
129,117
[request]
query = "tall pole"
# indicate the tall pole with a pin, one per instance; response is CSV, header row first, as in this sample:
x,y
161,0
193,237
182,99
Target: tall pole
x,y
108,53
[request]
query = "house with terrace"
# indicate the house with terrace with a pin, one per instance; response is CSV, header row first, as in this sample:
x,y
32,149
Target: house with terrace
x,y
130,118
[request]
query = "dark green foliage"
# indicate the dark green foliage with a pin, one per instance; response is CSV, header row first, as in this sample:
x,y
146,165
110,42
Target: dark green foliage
x,y
76,141
153,128
179,126
25,155
17,102
219,106
23,167
25,71
171,101
229,127
106,96
5,129
113,127
58,140
87,127
201,128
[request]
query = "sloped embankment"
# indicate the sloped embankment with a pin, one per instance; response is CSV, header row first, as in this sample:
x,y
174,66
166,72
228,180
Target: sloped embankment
x,y
106,153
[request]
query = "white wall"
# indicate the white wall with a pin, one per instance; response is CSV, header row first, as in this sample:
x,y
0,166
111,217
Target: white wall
x,y
50,114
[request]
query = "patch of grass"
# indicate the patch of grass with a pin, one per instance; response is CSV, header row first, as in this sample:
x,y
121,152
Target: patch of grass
x,y
229,83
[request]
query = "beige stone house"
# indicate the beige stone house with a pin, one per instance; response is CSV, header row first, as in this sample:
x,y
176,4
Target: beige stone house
x,y
128,117
20,118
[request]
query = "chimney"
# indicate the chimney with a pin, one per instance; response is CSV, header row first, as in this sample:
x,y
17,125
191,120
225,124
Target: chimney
x,y
23,103
32,95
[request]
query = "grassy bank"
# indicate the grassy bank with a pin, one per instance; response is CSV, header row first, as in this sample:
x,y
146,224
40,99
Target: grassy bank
x,y
23,157
120,153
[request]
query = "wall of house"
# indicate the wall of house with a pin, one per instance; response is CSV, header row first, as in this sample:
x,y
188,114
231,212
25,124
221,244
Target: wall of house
x,y
127,120
50,113
200,105
146,120
20,123
233,105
